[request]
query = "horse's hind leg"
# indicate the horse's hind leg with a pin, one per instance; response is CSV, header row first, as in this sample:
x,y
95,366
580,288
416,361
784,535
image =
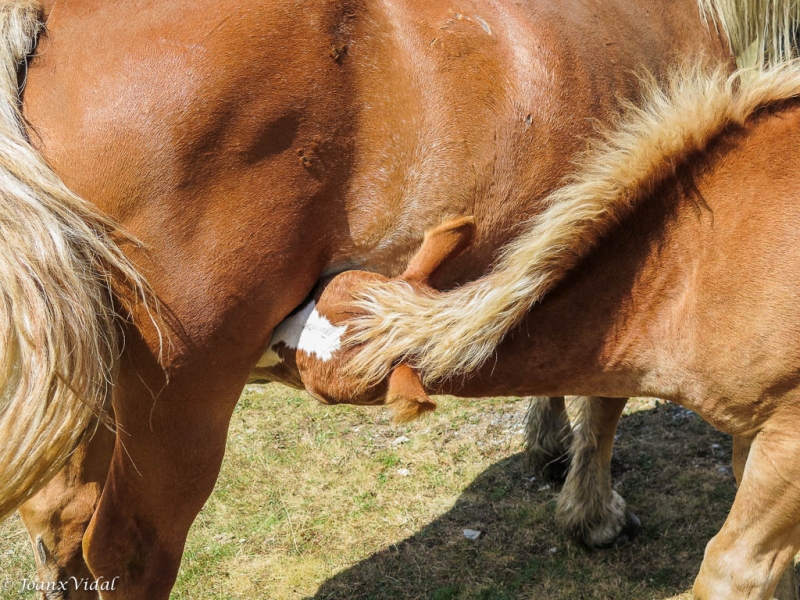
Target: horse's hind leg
x,y
588,507
548,437
757,543
164,466
787,586
57,516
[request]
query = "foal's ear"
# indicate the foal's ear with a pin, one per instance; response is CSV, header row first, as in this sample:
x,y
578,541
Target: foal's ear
x,y
406,395
440,245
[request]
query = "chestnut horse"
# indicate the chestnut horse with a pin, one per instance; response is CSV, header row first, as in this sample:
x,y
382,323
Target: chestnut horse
x,y
687,217
236,153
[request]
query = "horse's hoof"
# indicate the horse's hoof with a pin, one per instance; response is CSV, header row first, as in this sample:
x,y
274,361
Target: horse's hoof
x,y
632,528
615,526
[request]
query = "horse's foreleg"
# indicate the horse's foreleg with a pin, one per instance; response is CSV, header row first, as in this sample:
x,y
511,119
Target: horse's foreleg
x,y
548,437
787,586
57,517
164,466
757,543
588,507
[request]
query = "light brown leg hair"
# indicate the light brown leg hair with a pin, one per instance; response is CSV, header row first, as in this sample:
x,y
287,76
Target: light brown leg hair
x,y
760,537
588,507
787,588
57,516
548,437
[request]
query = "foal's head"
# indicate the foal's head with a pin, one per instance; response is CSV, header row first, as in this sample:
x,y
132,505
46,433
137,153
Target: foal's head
x,y
309,343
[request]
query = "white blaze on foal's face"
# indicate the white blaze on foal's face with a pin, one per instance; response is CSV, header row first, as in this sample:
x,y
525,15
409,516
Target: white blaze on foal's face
x,y
305,330
319,336
288,332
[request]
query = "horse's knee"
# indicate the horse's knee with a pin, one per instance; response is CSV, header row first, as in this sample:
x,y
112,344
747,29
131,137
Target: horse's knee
x,y
56,527
732,569
749,556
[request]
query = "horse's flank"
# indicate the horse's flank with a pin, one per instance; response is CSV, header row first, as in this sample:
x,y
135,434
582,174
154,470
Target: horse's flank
x,y
446,334
252,158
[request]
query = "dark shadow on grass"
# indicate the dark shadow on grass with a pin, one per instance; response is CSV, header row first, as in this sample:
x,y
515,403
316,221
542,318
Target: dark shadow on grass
x,y
673,469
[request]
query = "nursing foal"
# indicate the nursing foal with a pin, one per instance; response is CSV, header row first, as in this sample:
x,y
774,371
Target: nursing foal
x,y
251,149
686,218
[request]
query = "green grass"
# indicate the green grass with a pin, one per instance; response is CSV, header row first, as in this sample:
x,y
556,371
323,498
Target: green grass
x,y
325,503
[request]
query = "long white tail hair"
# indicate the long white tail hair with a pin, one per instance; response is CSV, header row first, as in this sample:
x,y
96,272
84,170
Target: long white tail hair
x,y
60,268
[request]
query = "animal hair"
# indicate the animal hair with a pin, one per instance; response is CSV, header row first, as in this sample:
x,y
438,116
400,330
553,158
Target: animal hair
x,y
448,334
61,270
762,33
405,410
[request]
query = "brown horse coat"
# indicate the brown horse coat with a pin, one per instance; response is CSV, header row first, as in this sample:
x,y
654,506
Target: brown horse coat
x,y
684,287
256,147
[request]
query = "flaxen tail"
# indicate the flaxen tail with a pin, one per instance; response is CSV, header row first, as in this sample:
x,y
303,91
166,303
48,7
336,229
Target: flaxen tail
x,y
447,334
58,265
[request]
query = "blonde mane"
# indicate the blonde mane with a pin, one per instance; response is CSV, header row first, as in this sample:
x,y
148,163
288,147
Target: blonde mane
x,y
451,333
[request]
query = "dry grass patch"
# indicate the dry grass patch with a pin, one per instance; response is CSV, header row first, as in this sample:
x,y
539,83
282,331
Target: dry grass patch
x,y
336,503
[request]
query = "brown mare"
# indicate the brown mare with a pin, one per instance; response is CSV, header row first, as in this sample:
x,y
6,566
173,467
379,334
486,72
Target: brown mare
x,y
252,148
687,217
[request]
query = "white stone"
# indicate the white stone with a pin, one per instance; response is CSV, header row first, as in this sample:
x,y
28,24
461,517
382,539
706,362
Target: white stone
x,y
472,534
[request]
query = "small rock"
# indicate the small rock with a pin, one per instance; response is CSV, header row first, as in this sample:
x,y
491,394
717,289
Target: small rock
x,y
723,470
401,440
544,487
472,534
403,472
